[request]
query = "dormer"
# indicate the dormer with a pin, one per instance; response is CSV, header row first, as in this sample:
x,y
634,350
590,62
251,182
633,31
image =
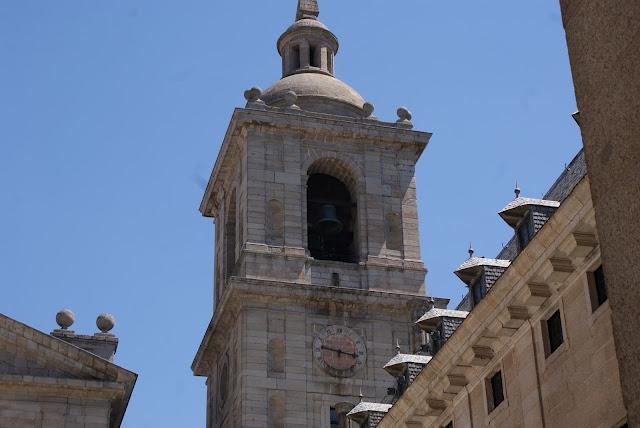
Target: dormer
x,y
368,415
405,368
440,324
527,216
479,274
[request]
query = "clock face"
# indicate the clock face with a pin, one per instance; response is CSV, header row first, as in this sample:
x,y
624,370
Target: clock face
x,y
339,350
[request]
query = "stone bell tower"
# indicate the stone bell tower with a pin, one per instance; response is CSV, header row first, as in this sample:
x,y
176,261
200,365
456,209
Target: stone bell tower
x,y
317,258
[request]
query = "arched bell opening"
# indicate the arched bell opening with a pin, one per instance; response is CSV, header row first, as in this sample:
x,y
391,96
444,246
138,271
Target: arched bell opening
x,y
331,219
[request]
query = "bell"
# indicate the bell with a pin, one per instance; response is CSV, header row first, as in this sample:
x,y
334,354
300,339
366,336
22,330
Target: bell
x,y
329,223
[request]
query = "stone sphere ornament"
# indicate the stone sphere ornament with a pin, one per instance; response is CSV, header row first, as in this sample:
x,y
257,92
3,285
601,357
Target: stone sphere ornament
x,y
65,318
289,98
404,115
105,322
368,109
253,95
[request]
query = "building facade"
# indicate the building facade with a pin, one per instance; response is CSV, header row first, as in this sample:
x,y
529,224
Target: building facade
x,y
536,347
317,261
62,379
318,278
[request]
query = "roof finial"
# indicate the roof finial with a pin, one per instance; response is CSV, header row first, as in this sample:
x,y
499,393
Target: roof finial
x,y
361,396
517,190
307,9
398,346
470,251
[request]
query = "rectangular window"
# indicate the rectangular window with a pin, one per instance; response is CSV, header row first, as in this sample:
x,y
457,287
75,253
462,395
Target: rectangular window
x,y
553,336
334,419
312,57
524,231
495,391
597,288
478,290
449,425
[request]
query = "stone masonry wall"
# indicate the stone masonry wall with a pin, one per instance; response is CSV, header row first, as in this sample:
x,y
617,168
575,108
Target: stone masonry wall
x,y
577,385
30,410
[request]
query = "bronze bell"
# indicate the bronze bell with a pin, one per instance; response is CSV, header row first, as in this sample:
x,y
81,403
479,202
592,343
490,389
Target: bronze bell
x,y
329,223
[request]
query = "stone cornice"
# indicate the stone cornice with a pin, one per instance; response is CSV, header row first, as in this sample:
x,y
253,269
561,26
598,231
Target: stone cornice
x,y
242,290
543,268
81,365
317,125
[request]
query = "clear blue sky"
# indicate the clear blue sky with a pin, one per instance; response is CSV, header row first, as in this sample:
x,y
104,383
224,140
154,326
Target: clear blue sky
x,y
112,114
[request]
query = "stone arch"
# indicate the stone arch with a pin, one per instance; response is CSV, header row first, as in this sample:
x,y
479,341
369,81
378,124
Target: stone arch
x,y
274,223
349,175
338,166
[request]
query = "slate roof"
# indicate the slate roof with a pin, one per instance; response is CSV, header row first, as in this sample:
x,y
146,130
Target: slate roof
x,y
364,407
407,358
471,268
439,313
482,261
561,188
518,202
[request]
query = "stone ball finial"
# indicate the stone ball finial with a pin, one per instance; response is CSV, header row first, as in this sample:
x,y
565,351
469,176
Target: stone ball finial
x,y
253,95
368,109
105,322
404,115
65,318
289,98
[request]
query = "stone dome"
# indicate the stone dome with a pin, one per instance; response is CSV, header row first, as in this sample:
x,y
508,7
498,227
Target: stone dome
x,y
318,93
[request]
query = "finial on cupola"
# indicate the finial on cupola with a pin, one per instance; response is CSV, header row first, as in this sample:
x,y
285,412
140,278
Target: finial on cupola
x,y
517,190
307,9
397,346
470,251
361,396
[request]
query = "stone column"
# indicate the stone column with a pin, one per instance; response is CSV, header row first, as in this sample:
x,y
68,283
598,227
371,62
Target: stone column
x,y
304,55
603,38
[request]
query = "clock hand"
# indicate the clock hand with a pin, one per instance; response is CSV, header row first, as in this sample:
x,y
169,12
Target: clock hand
x,y
340,351
331,349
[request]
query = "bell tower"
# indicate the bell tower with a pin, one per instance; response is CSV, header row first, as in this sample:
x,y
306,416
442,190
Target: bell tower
x,y
317,259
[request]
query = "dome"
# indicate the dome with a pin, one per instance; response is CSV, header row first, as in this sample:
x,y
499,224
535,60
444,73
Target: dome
x,y
317,92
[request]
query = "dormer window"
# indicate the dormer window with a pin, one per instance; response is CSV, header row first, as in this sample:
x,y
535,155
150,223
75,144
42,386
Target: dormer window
x,y
527,216
523,230
478,290
479,274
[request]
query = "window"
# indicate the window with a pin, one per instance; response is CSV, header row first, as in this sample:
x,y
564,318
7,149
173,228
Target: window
x,y
295,57
524,231
313,60
334,419
597,288
449,425
478,290
230,236
335,279
553,335
331,215
495,391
